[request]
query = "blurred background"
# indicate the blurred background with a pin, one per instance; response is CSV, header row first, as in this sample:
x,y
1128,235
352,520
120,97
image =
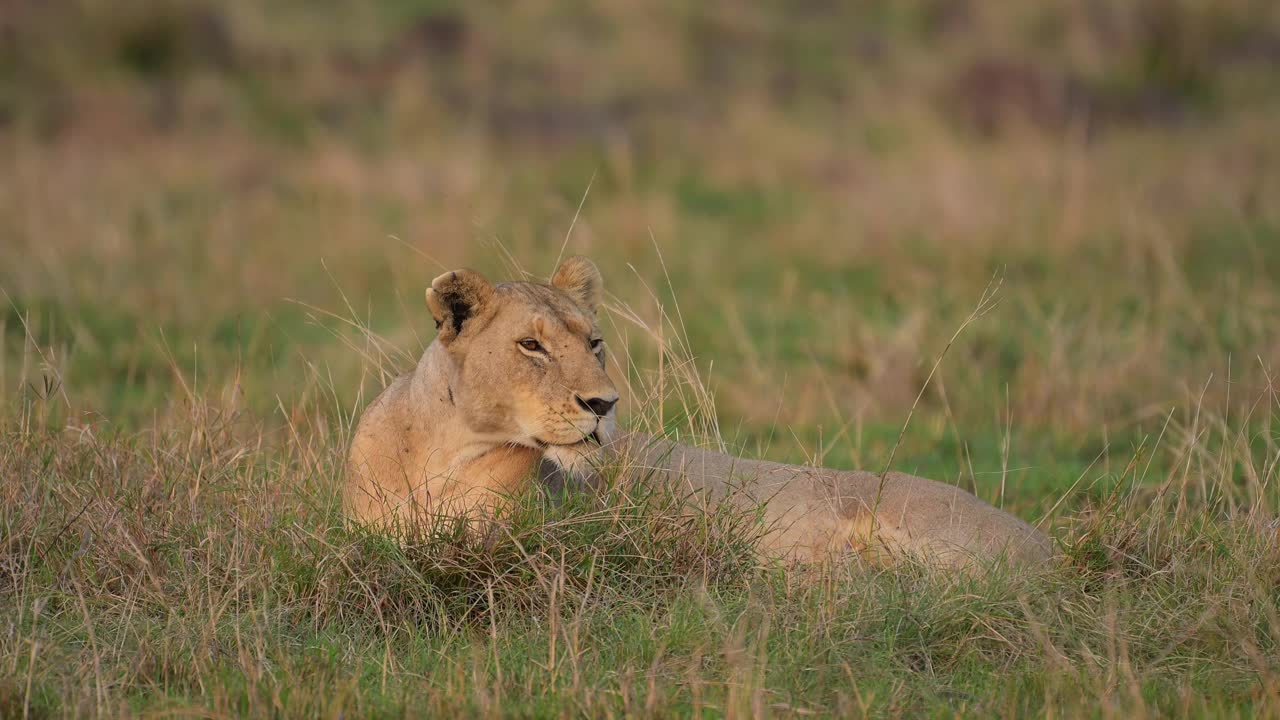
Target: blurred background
x,y
189,188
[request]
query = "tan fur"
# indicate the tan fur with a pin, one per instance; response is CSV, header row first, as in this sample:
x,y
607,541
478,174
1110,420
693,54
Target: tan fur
x,y
472,420
478,412
814,513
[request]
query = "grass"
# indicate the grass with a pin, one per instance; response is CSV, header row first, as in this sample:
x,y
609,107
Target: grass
x,y
216,221
189,571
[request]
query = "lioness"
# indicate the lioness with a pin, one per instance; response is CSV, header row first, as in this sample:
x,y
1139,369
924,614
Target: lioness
x,y
516,374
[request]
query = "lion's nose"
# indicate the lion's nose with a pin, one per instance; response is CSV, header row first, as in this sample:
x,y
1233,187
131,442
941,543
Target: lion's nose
x,y
598,405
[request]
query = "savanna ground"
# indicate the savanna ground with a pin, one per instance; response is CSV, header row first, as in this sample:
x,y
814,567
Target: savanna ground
x,y
217,219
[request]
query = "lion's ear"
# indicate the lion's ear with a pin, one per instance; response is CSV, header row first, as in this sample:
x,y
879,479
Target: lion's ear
x,y
456,299
579,278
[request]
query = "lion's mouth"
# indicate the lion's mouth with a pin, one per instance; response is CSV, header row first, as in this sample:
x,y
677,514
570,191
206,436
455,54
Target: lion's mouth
x,y
592,439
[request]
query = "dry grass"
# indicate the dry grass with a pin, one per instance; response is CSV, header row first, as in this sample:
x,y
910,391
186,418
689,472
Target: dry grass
x,y
216,221
204,569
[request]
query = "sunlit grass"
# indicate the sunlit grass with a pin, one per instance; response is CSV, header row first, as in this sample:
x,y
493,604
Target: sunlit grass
x,y
212,255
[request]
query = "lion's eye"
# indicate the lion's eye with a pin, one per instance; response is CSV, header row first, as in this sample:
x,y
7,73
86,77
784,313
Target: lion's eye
x,y
596,344
531,345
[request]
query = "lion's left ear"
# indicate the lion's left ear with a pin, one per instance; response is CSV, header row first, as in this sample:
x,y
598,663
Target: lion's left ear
x,y
579,278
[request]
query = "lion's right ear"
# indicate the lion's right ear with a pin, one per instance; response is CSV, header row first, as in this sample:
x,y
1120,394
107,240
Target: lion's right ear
x,y
580,279
456,299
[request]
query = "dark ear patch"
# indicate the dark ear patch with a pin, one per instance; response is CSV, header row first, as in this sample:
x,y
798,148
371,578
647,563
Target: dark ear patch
x,y
460,311
456,298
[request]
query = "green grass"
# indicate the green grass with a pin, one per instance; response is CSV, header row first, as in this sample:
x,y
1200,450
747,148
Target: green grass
x,y
137,592
217,221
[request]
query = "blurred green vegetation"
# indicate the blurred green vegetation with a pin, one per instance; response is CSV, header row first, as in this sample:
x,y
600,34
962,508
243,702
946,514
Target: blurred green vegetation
x,y
202,203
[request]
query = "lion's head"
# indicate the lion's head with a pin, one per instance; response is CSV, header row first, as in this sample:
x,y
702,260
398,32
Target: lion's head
x,y
528,358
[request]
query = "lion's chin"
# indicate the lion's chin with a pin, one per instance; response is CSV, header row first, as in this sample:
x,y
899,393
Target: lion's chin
x,y
578,458
575,459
